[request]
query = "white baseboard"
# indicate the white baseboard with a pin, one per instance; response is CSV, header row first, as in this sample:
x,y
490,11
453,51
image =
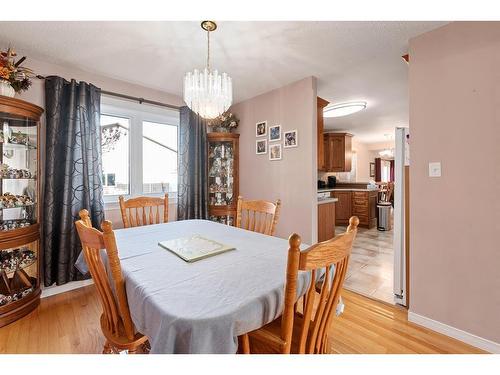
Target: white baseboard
x,y
57,289
468,338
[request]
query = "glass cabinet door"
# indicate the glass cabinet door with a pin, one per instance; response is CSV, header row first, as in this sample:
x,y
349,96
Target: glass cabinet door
x,y
18,172
220,173
19,244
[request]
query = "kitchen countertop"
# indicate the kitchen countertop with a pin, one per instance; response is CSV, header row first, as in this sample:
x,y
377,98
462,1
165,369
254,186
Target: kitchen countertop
x,y
327,200
345,189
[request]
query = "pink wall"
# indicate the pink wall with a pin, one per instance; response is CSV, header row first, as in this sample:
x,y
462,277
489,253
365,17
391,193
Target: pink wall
x,y
35,93
292,179
455,219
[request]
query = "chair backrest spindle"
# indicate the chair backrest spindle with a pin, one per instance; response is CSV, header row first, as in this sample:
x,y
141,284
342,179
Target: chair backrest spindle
x,y
324,257
116,312
143,211
258,216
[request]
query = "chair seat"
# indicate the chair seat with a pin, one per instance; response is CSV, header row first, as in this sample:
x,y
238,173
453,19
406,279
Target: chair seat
x,y
273,329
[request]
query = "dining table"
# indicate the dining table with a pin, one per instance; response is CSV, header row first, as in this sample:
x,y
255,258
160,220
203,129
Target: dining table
x,y
203,306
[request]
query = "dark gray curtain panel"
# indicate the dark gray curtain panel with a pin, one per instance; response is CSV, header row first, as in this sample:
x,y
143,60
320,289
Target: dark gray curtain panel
x,y
192,166
72,173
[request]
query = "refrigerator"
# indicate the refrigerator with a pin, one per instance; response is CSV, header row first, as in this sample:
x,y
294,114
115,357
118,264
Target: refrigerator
x,y
401,214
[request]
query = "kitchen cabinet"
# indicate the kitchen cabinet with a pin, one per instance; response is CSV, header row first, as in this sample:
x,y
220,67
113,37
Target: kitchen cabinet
x,y
343,207
360,203
321,104
337,152
326,221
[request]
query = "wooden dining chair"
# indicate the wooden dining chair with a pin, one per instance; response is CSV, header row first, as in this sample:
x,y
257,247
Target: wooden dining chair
x,y
141,211
116,324
307,331
385,193
258,216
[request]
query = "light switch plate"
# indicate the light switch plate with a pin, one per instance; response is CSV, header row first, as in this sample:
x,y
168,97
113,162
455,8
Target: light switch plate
x,y
435,169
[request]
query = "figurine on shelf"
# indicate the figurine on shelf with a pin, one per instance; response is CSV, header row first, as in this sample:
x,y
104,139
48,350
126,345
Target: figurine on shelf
x,y
14,224
8,172
5,299
214,170
16,259
4,169
19,138
219,202
8,200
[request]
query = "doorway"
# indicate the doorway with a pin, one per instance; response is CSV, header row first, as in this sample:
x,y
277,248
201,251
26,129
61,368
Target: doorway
x,y
371,270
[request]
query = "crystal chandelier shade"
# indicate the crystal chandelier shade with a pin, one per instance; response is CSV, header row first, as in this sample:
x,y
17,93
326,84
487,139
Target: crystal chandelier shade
x,y
207,92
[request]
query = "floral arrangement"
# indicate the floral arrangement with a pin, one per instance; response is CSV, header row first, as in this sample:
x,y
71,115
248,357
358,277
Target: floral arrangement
x,y
225,122
11,71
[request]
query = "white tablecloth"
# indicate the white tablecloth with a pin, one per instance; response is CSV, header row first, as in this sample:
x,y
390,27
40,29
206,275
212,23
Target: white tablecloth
x,y
202,307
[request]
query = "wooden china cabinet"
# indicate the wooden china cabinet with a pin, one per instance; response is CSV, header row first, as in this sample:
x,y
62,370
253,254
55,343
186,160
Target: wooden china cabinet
x,y
223,177
19,208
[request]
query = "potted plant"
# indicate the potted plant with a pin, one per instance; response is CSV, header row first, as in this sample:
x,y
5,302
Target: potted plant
x,y
13,77
225,123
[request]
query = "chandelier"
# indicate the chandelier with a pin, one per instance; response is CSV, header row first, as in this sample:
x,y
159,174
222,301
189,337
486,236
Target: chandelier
x,y
387,153
207,92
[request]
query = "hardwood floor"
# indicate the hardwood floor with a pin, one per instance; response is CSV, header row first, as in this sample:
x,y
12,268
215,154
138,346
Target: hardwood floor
x,y
68,323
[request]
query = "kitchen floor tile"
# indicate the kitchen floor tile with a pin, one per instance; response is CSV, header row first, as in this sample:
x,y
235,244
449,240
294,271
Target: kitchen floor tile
x,y
371,266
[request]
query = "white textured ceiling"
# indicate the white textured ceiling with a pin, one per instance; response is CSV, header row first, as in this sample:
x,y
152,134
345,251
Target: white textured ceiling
x,y
352,60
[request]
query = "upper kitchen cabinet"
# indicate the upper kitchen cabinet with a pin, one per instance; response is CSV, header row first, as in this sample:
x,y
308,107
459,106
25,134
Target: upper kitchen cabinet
x,y
322,103
337,152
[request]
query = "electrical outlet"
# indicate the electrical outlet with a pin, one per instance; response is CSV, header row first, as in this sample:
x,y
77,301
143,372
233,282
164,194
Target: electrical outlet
x,y
435,169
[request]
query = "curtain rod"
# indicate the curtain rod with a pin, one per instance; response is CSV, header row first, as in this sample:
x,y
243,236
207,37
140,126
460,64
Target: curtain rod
x,y
129,97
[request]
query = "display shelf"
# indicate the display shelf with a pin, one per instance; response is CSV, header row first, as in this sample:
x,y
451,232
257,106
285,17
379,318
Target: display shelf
x,y
23,206
19,211
18,178
17,146
223,154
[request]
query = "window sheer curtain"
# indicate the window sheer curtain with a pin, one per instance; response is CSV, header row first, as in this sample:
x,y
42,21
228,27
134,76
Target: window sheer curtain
x,y
192,166
72,173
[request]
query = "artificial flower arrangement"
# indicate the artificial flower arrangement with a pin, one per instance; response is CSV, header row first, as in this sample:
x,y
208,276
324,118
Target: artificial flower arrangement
x,y
224,123
12,72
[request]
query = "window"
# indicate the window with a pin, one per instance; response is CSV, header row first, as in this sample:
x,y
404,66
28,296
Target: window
x,y
139,149
159,142
115,154
385,170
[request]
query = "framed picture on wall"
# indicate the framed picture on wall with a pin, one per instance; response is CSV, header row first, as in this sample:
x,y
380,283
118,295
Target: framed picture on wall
x,y
275,151
291,138
274,133
372,169
261,146
261,129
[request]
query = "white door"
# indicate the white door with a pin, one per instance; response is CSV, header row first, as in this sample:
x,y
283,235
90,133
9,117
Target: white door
x,y
401,171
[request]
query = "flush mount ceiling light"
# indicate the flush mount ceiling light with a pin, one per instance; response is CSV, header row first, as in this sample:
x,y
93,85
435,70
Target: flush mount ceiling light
x,y
343,109
207,92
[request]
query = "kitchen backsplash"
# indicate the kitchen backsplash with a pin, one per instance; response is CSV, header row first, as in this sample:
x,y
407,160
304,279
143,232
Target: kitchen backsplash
x,y
341,176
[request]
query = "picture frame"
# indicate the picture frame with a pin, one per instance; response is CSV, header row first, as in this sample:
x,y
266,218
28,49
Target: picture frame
x,y
261,129
291,138
275,151
372,169
261,146
275,133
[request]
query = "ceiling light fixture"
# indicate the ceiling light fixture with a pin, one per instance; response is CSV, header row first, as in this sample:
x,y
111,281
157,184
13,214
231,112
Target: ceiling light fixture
x,y
387,153
343,109
207,92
